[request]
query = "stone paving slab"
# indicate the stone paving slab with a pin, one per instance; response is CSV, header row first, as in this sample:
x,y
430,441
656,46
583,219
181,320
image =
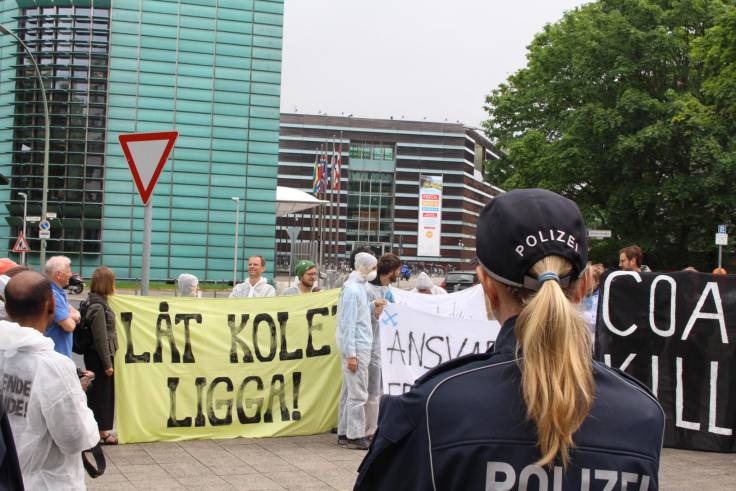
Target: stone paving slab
x,y
317,463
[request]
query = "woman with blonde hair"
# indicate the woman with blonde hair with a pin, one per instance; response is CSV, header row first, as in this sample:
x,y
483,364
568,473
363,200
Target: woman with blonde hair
x,y
100,358
535,412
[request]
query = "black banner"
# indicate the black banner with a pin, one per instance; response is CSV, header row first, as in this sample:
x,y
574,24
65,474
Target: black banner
x,y
676,332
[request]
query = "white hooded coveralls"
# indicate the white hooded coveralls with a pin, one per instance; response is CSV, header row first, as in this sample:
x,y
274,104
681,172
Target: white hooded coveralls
x,y
354,340
47,409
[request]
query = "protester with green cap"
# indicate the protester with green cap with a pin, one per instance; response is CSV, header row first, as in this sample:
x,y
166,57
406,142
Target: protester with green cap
x,y
306,274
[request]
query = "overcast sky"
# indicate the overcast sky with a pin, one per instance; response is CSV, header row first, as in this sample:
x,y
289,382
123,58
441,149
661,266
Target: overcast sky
x,y
417,58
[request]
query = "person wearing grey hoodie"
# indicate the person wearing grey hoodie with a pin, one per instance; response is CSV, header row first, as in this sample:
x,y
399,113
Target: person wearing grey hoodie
x,y
42,395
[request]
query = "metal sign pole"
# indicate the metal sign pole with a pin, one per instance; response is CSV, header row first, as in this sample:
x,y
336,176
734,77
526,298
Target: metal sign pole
x,y
145,275
236,199
721,240
146,154
25,210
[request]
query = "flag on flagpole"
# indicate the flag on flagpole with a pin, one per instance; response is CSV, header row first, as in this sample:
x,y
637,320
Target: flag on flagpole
x,y
336,173
317,174
325,176
333,164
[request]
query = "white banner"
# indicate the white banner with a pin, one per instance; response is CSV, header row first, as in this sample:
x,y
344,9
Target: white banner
x,y
430,216
413,342
465,304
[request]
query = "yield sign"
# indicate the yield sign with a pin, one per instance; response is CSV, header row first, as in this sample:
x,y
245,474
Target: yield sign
x,y
146,154
21,245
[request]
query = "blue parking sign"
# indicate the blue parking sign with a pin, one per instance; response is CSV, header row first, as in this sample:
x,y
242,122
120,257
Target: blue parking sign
x,y
721,229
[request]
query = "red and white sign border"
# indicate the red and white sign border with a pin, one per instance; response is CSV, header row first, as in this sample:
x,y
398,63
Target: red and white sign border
x,y
145,192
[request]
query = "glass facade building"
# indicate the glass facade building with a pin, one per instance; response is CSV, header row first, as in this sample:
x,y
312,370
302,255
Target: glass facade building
x,y
210,69
383,161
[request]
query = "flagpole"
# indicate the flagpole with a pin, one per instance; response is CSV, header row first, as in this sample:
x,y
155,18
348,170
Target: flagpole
x,y
316,195
321,247
311,232
328,196
322,209
339,192
328,236
323,253
332,205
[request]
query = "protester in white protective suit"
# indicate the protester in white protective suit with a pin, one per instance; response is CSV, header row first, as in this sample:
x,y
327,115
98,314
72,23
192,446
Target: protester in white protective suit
x,y
43,398
426,285
256,284
354,341
379,292
187,285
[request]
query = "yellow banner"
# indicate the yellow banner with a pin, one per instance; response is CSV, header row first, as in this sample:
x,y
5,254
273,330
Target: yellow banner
x,y
224,368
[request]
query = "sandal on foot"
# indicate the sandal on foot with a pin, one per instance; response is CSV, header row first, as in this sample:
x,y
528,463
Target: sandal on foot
x,y
108,439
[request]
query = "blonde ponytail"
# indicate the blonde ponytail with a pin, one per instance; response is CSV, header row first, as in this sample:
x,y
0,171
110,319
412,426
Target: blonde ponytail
x,y
557,378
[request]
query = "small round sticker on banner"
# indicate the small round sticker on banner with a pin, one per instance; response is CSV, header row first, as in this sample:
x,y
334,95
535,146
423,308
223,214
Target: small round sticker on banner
x,y
429,234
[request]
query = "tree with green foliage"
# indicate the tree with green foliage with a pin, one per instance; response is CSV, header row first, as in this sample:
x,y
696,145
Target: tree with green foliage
x,y
628,107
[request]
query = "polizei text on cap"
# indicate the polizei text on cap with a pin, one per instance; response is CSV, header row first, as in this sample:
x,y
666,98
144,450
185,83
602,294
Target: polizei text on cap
x,y
550,235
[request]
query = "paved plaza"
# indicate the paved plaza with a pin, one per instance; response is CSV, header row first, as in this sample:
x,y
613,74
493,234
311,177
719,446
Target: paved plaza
x,y
316,462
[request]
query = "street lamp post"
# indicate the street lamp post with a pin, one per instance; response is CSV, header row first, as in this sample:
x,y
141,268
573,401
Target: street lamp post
x,y
25,210
44,197
235,246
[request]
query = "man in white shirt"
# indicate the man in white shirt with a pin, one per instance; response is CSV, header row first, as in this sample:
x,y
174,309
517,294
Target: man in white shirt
x,y
256,285
42,395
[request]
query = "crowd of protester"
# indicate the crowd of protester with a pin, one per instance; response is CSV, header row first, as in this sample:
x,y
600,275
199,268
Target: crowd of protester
x,y
51,420
55,410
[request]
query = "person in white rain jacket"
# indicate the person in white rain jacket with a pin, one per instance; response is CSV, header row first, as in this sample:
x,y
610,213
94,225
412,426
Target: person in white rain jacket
x,y
42,395
187,285
354,338
256,285
426,285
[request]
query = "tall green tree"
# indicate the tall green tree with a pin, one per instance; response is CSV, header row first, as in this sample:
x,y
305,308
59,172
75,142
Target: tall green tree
x,y
625,107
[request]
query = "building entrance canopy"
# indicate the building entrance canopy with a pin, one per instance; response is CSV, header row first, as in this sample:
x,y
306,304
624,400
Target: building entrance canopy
x,y
290,200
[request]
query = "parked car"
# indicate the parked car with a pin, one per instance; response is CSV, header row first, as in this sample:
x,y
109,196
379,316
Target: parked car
x,y
76,284
459,280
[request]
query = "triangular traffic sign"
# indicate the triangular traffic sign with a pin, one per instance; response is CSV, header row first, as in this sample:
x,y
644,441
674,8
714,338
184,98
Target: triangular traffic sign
x,y
146,154
21,245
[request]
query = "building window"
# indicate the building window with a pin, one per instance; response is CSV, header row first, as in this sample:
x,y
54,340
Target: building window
x,y
370,208
479,157
63,40
371,151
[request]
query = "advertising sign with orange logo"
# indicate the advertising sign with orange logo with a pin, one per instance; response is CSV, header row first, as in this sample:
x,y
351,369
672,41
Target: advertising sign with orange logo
x,y
430,216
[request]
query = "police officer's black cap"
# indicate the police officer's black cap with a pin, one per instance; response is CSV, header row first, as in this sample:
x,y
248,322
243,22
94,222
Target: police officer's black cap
x,y
518,228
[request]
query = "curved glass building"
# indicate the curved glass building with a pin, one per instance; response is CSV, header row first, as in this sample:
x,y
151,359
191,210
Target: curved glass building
x,y
209,69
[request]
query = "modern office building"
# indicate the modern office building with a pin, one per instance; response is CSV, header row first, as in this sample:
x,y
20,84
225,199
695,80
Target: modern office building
x,y
210,69
382,162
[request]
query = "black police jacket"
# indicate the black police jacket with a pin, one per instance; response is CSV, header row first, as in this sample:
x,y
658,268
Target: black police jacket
x,y
11,478
464,426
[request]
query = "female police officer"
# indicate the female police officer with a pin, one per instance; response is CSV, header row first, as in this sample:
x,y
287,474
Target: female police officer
x,y
535,412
